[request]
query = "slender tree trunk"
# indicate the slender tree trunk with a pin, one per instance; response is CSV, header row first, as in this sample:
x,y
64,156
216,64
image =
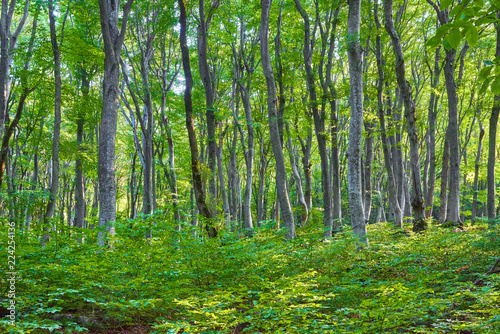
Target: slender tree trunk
x,y
417,201
395,210
54,186
319,124
476,173
355,56
281,186
80,182
304,212
8,41
453,209
209,85
431,183
222,185
193,144
443,197
492,144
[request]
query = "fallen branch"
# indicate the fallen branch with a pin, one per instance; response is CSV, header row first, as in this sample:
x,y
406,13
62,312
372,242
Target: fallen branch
x,y
492,270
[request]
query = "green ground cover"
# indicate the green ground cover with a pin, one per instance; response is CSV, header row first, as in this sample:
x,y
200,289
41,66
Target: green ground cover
x,y
176,283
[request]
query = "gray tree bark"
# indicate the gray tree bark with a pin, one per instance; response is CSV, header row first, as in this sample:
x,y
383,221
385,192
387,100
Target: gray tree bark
x,y
8,41
395,210
113,37
54,186
319,122
417,201
281,185
355,57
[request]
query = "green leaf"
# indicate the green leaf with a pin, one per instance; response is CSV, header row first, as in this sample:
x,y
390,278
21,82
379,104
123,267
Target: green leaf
x,y
485,72
456,10
485,85
445,4
495,86
472,36
454,37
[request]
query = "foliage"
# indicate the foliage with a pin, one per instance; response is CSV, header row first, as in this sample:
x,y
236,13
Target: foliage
x,y
176,283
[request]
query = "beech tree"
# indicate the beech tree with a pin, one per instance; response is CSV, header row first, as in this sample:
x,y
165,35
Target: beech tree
x,y
113,36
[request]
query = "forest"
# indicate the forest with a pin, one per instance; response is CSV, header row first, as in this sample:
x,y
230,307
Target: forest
x,y
287,166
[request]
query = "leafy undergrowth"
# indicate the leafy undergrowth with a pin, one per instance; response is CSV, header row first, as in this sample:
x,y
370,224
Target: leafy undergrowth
x,y
176,283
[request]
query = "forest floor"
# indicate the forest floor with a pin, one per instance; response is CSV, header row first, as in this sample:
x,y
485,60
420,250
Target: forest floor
x,y
176,283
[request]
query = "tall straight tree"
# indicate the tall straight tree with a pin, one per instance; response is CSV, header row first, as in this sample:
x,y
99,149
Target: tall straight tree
x,y
209,85
282,189
113,37
355,57
417,201
492,135
452,134
199,192
319,117
54,185
395,210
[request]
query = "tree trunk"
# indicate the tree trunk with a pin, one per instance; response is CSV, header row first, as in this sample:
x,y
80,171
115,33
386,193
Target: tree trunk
x,y
281,186
355,56
8,41
209,85
432,114
395,210
54,186
113,37
417,201
453,206
492,145
79,181
319,124
476,173
188,104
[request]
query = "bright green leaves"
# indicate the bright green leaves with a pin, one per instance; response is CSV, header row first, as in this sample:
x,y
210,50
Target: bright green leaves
x,y
445,4
489,76
453,34
461,18
454,37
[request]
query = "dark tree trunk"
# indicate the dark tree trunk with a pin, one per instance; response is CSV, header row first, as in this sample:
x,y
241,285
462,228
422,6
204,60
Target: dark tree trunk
x,y
54,186
319,117
476,173
79,181
209,85
492,135
193,144
417,200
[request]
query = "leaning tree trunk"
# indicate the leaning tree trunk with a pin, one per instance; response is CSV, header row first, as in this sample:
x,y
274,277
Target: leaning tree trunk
x,y
209,85
319,124
188,104
8,41
281,186
396,213
417,200
355,56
